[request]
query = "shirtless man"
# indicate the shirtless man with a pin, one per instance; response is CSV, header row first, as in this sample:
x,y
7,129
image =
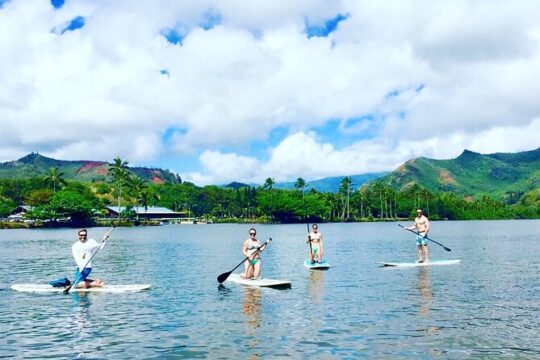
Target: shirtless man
x,y
316,248
82,250
421,225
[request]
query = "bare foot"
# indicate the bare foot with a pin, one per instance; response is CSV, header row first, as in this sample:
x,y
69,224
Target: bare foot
x,y
419,261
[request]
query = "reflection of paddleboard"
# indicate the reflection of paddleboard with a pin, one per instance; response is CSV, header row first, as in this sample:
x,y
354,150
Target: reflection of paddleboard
x,y
317,266
429,263
260,282
106,288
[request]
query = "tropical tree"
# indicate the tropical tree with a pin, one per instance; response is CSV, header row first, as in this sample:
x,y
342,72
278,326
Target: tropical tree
x,y
147,197
136,187
55,178
300,184
120,175
269,183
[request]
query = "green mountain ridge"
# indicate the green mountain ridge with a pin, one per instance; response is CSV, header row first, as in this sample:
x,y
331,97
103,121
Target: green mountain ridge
x,y
34,164
501,175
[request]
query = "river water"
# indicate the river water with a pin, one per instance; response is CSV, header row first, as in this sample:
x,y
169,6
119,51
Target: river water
x,y
486,307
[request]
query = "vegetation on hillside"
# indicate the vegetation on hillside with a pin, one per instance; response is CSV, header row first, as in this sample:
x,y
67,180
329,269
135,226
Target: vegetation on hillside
x,y
83,202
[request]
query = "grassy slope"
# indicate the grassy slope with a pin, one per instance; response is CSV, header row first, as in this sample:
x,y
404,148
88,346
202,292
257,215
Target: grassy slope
x,y
472,174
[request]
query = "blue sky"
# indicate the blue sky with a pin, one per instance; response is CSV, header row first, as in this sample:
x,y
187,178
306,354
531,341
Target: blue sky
x,y
221,91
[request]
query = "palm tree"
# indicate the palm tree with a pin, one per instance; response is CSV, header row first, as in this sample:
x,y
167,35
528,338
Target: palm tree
x,y
379,189
345,188
300,184
136,187
55,178
269,184
120,175
147,196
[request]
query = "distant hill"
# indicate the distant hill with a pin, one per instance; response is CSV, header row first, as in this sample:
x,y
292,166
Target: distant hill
x,y
472,174
328,184
331,184
35,164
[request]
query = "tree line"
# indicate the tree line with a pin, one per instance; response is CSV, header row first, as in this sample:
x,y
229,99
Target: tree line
x,y
52,197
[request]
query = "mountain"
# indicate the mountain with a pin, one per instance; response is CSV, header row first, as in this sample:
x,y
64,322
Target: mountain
x,y
328,184
332,184
35,164
472,174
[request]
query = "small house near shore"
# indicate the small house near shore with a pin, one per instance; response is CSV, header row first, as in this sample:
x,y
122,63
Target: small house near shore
x,y
19,212
151,212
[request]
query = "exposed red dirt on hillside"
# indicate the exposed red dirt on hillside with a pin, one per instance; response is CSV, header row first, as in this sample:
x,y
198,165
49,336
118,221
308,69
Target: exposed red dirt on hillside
x,y
92,165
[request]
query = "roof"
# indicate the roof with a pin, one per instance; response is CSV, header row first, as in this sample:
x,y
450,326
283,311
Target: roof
x,y
149,210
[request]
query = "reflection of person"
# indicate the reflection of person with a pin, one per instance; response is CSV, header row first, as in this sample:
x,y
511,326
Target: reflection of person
x,y
253,263
424,285
421,225
82,250
252,305
316,248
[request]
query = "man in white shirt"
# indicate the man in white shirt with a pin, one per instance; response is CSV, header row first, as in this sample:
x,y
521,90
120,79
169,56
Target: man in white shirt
x,y
421,225
82,251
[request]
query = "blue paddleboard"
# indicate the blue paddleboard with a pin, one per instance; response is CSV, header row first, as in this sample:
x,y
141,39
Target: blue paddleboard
x,y
317,266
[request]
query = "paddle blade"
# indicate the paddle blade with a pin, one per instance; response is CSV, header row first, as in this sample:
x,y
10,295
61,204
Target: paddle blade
x,y
447,249
221,278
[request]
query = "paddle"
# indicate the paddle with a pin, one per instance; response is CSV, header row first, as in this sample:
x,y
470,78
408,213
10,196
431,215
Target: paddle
x,y
417,233
309,241
105,237
221,278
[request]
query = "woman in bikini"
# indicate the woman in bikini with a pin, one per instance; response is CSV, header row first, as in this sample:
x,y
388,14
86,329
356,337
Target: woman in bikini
x,y
249,249
316,248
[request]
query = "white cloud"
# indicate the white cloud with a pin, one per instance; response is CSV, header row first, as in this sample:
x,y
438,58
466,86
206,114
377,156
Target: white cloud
x,y
257,70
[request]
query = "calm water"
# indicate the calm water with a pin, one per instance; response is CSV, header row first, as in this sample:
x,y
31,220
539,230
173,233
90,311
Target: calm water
x,y
486,307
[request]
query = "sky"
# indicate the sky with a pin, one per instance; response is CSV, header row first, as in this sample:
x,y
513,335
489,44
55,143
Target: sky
x,y
235,90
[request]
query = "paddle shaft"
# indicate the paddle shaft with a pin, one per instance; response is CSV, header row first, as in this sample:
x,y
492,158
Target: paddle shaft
x,y
309,240
105,237
221,278
417,233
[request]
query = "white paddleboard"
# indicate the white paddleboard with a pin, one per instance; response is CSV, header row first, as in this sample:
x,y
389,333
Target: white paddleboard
x,y
260,282
106,288
429,263
317,266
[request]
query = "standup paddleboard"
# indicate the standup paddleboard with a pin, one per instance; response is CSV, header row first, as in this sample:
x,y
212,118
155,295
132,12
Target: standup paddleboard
x,y
106,288
317,266
429,263
260,282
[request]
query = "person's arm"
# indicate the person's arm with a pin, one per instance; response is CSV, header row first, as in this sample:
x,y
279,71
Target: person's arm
x,y
78,259
427,226
308,238
245,248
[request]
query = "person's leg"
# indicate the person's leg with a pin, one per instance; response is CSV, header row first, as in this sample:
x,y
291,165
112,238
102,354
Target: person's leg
x,y
311,254
419,249
426,253
257,270
249,270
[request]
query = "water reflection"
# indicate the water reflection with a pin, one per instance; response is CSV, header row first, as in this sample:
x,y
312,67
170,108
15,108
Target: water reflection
x,y
251,307
82,324
316,286
424,286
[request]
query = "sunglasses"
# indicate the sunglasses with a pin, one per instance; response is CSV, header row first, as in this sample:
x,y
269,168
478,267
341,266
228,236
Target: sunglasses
x,y
82,235
253,234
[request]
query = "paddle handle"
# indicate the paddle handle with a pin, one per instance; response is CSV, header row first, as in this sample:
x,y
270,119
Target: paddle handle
x,y
105,237
417,233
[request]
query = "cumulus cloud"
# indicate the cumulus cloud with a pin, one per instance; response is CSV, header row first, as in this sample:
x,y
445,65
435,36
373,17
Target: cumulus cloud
x,y
403,79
